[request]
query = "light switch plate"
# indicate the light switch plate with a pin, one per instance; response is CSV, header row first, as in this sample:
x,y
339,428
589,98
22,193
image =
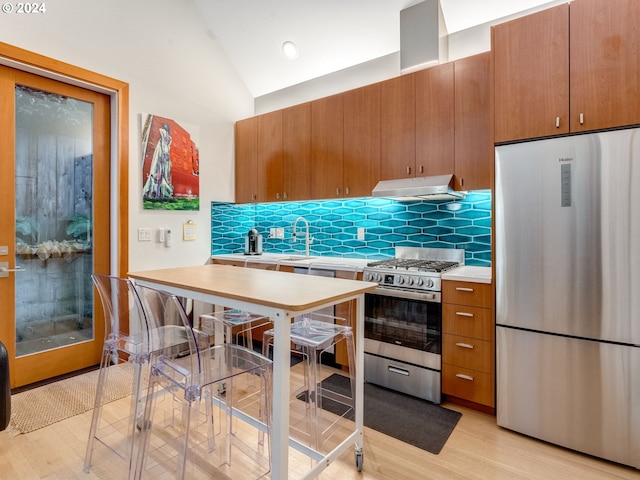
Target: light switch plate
x,y
144,234
4,250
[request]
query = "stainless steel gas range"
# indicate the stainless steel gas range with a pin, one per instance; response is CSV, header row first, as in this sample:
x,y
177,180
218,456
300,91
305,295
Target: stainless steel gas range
x,y
403,320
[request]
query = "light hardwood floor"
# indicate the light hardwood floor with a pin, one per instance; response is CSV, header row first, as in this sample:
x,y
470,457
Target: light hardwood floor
x,y
477,449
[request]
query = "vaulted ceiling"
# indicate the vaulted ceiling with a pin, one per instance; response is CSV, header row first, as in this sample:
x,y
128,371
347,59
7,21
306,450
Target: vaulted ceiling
x,y
331,35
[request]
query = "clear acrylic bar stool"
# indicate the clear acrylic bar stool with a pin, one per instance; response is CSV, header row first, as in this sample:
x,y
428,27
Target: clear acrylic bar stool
x,y
226,321
126,346
189,377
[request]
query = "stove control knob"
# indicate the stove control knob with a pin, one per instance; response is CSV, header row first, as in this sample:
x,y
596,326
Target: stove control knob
x,y
369,277
429,283
419,282
409,281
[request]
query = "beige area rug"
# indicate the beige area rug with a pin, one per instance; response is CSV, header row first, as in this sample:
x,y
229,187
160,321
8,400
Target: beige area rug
x,y
43,406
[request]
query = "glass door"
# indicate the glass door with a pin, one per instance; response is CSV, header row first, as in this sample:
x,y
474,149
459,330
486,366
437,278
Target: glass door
x,y
55,223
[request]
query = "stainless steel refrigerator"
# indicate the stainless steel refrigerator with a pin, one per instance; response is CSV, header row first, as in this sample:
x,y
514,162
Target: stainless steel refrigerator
x,y
567,220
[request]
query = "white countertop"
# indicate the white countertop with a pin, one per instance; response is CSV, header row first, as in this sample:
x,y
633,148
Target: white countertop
x,y
469,273
465,273
297,260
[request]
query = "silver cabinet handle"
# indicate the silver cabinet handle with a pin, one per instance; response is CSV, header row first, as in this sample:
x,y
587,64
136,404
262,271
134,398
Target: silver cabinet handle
x,y
557,122
421,169
464,289
581,118
278,195
464,345
398,370
464,314
346,190
409,170
464,377
285,195
337,191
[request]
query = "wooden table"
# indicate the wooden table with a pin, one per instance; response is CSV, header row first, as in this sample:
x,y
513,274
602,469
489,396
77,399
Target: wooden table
x,y
281,296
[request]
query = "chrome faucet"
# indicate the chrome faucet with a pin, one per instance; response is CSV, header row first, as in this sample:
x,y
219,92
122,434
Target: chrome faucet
x,y
308,239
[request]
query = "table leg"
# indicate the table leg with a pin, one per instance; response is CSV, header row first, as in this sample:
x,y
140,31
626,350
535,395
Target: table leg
x,y
280,405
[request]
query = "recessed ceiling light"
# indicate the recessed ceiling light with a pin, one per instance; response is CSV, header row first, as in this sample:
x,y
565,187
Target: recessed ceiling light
x,y
290,50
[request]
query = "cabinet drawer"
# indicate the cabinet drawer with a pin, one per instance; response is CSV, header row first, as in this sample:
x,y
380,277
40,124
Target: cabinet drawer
x,y
468,321
470,385
467,293
468,353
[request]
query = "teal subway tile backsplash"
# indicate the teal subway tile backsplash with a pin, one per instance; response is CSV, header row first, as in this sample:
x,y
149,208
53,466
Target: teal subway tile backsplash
x,y
334,224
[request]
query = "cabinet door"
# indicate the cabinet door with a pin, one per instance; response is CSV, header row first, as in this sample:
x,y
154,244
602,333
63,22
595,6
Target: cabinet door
x,y
361,166
605,64
327,147
531,68
473,141
246,138
270,157
296,152
397,127
434,111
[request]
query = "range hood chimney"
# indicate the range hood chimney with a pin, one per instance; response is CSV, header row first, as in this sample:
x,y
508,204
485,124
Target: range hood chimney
x,y
423,36
437,187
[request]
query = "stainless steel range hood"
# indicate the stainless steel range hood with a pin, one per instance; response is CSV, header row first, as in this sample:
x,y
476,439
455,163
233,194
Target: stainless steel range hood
x,y
437,187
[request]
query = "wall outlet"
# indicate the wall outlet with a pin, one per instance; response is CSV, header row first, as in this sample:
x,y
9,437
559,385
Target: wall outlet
x,y
280,232
144,234
161,235
360,233
272,233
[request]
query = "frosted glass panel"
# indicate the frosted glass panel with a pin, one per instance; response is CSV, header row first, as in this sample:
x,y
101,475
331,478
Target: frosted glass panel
x,y
54,191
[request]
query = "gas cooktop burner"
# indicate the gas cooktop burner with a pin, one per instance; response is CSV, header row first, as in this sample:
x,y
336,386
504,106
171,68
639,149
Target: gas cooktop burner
x,y
417,265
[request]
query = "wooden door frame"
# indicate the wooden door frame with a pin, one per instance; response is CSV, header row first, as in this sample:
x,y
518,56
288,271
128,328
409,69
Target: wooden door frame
x,y
21,59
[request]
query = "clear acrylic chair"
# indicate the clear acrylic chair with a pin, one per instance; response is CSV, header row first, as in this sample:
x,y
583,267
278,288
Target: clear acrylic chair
x,y
126,348
314,337
186,379
227,321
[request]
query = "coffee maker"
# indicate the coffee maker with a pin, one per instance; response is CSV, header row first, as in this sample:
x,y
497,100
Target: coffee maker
x,y
253,243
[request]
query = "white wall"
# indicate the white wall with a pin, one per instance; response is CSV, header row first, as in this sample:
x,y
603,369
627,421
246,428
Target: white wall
x,y
174,69
462,44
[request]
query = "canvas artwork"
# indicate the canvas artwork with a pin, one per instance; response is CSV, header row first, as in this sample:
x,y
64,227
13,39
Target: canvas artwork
x,y
170,165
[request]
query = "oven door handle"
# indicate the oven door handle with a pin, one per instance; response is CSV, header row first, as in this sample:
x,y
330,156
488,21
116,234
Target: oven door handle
x,y
398,293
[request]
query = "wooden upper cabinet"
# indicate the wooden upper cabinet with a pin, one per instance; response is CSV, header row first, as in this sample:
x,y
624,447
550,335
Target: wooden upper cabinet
x,y
361,159
270,157
434,120
246,161
327,136
397,128
473,136
605,64
296,152
531,75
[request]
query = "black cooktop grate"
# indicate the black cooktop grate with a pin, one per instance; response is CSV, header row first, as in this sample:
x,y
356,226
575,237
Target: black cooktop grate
x,y
419,265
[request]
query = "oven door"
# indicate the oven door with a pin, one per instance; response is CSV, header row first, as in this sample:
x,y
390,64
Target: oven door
x,y
404,325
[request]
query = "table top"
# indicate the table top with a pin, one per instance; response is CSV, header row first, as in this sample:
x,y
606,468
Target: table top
x,y
275,289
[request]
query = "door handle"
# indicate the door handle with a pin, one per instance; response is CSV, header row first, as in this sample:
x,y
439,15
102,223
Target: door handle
x,y
4,269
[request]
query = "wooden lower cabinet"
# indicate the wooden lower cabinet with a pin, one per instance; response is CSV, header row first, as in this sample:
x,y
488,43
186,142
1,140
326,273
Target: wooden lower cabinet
x,y
468,344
